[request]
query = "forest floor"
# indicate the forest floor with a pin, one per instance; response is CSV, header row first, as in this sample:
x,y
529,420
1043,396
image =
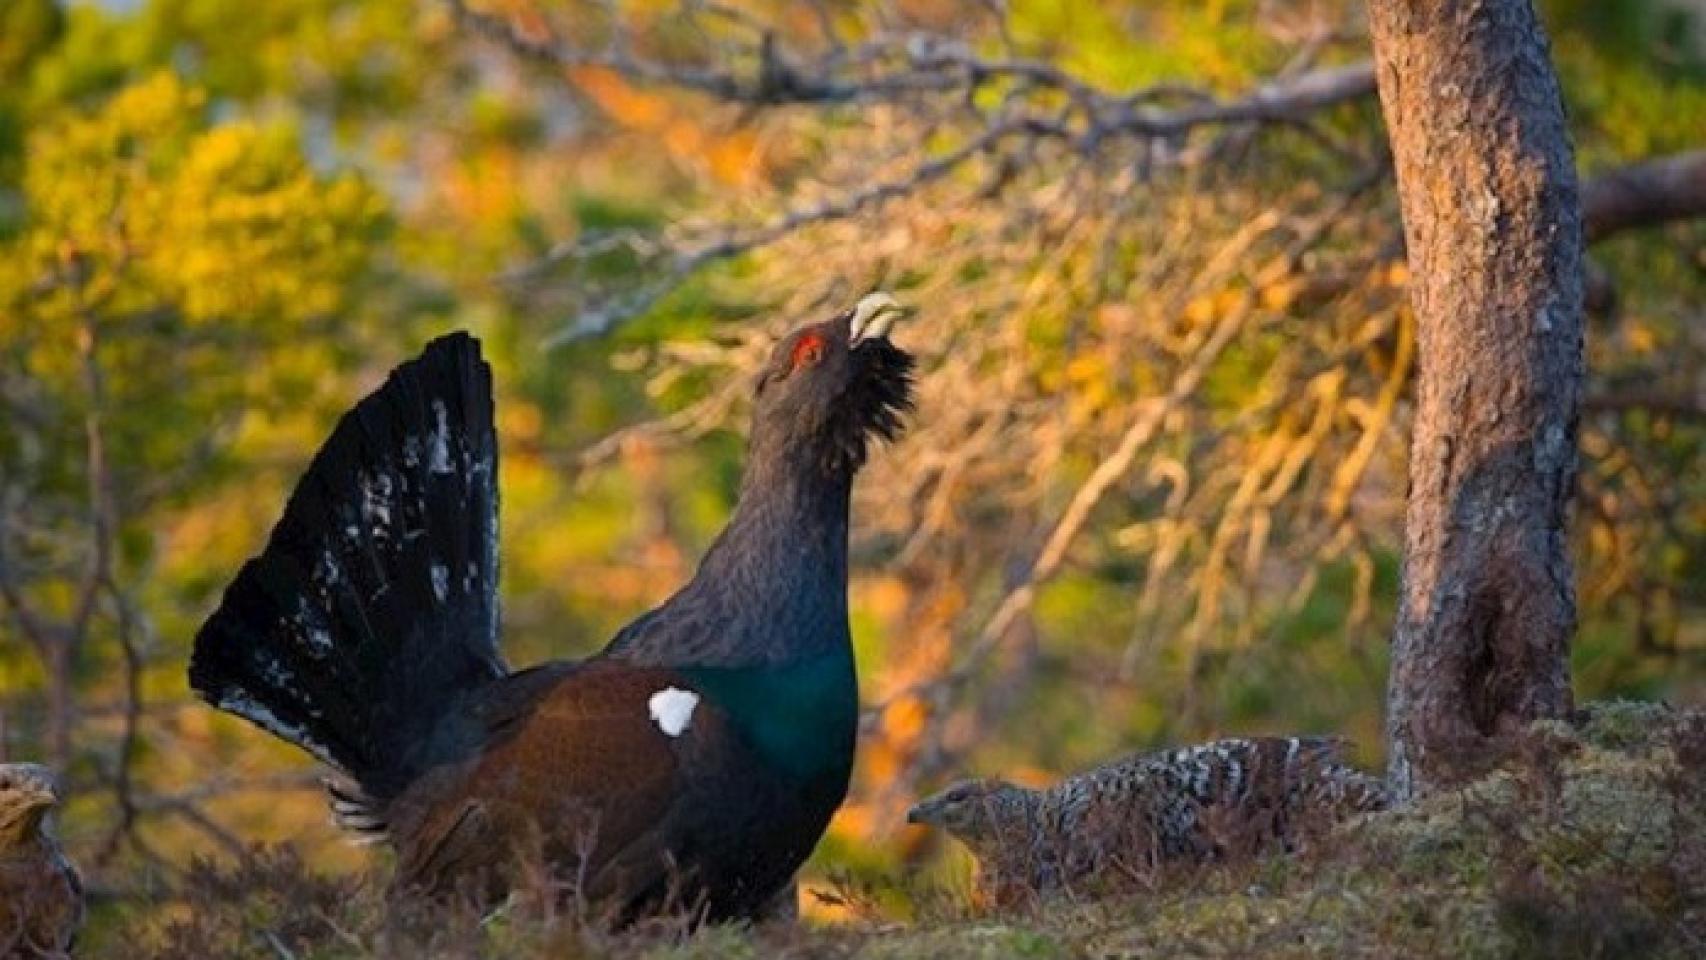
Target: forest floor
x,y
1585,840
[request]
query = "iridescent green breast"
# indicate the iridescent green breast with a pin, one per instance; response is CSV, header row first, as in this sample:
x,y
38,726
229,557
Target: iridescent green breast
x,y
800,718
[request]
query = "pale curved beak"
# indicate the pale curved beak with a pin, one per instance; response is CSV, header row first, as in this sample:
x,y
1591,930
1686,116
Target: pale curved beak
x,y
874,316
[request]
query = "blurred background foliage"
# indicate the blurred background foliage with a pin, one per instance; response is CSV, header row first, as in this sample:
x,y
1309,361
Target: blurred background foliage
x,y
221,222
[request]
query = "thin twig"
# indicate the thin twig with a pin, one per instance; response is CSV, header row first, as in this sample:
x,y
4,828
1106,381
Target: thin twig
x,y
1039,102
1021,595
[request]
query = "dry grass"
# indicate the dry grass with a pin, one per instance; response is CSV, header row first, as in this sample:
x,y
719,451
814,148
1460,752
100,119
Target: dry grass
x,y
1586,840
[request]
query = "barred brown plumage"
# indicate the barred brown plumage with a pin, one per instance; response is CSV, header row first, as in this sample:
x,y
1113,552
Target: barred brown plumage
x,y
41,896
1123,821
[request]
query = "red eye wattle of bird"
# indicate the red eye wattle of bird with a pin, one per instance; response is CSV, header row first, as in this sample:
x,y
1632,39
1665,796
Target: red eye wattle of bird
x,y
808,350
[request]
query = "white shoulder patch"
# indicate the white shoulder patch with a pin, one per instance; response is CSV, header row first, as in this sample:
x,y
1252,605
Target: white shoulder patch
x,y
672,709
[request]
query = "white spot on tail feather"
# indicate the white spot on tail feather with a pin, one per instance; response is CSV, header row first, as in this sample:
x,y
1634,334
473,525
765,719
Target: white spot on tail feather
x,y
376,501
348,808
672,709
233,700
360,819
327,570
440,581
277,675
440,456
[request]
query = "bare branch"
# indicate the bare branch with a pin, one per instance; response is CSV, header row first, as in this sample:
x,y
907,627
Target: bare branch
x,y
1280,101
1022,594
1039,102
685,263
776,81
920,63
34,629
1678,405
1645,194
224,786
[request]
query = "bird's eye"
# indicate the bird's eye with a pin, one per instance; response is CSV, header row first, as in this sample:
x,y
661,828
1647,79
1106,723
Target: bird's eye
x,y
808,350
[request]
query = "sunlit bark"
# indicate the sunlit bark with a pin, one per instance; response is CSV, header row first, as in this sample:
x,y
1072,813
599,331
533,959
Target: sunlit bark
x,y
1492,223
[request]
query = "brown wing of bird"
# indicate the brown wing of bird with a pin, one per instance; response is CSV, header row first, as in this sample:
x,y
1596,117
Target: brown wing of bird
x,y
579,771
41,904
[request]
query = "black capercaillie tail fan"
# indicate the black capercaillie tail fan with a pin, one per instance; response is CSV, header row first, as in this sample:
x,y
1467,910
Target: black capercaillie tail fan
x,y
694,762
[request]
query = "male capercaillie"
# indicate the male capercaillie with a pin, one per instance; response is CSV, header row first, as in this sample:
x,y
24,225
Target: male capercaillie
x,y
696,760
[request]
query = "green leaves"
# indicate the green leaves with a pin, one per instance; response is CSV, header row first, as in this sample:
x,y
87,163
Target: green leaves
x,y
212,223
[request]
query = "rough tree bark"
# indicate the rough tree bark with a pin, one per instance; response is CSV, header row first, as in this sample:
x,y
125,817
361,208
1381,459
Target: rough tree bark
x,y
1492,224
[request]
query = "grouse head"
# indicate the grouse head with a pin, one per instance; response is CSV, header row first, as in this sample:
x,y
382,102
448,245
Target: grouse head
x,y
830,387
976,812
27,792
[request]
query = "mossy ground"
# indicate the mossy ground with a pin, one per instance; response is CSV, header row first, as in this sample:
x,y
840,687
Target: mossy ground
x,y
1582,840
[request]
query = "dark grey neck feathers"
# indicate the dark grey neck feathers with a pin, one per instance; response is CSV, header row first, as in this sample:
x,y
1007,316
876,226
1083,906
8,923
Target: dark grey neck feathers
x,y
772,589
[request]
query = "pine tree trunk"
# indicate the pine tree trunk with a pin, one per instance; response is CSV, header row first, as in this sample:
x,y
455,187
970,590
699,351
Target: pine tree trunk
x,y
1492,222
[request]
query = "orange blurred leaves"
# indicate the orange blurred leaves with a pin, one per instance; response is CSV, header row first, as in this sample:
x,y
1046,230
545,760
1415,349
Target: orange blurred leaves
x,y
732,157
